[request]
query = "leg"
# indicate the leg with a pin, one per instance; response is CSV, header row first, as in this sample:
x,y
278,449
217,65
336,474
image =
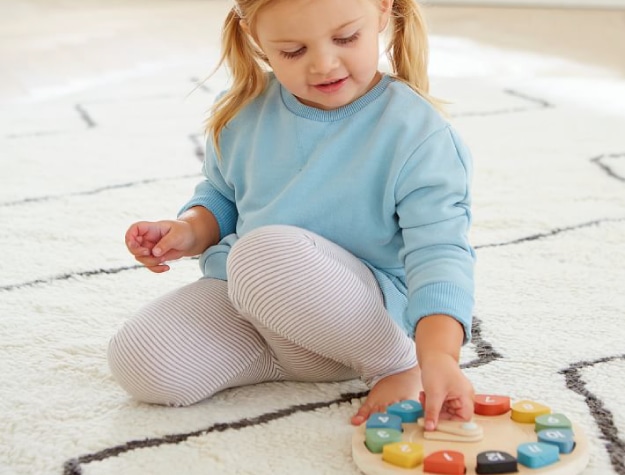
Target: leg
x,y
188,345
310,296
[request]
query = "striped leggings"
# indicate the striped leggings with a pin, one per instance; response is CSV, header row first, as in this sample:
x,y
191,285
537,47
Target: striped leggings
x,y
295,307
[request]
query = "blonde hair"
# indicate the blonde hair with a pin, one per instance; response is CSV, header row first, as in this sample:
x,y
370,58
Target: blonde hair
x,y
407,51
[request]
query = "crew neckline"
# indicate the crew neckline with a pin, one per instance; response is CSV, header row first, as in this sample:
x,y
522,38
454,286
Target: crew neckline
x,y
321,115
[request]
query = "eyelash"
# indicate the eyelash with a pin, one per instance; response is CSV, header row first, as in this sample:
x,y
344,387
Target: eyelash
x,y
339,41
348,40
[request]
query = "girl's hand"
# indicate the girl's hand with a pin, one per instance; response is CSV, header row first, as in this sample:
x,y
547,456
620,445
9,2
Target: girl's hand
x,y
154,243
447,393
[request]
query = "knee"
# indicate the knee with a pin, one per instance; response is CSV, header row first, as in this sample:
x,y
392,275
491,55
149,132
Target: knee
x,y
143,371
267,248
267,259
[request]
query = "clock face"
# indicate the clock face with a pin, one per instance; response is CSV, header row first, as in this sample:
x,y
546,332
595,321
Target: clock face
x,y
502,437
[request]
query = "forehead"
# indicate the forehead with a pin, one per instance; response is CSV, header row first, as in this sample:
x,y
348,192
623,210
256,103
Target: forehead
x,y
285,19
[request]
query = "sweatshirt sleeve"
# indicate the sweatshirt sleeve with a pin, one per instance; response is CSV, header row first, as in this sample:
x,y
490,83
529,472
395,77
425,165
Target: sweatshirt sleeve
x,y
214,194
433,207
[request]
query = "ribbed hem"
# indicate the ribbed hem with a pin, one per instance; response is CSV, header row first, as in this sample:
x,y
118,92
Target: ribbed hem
x,y
441,298
320,115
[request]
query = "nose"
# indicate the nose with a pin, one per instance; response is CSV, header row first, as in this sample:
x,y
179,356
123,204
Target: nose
x,y
323,61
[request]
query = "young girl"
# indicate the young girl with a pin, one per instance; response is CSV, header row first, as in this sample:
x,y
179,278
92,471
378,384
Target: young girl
x,y
332,222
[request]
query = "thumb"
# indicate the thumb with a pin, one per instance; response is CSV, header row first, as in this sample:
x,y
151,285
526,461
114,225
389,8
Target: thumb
x,y
166,243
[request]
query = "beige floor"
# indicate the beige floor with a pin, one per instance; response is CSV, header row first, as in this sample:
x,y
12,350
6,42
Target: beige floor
x,y
595,37
50,43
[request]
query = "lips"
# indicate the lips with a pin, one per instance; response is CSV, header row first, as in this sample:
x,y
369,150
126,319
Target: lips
x,y
331,86
334,81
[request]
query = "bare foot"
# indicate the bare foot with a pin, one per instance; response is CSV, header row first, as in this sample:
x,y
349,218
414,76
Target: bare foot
x,y
389,390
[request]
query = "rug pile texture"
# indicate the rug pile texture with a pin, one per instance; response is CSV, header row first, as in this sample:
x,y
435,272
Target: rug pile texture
x,y
79,164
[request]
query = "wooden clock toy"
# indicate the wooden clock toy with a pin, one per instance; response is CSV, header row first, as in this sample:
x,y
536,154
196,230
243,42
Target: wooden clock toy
x,y
525,438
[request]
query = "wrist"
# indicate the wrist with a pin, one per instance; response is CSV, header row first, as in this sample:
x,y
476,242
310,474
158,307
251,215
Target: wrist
x,y
202,229
437,336
428,358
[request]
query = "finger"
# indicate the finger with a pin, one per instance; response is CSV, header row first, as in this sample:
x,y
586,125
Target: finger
x,y
164,245
136,242
434,404
466,409
170,255
151,231
447,416
361,416
136,249
158,269
365,412
149,261
460,409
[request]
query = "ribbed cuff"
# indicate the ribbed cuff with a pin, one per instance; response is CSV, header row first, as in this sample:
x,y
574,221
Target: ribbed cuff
x,y
441,298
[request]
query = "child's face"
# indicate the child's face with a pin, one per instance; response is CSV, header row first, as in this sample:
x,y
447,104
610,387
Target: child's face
x,y
325,52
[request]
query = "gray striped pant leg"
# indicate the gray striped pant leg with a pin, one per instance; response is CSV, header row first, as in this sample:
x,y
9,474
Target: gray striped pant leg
x,y
187,345
305,292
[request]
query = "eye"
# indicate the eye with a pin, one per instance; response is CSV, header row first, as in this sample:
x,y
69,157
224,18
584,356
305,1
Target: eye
x,y
347,40
292,54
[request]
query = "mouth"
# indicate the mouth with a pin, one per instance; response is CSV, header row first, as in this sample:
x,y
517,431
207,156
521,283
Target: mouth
x,y
331,86
331,82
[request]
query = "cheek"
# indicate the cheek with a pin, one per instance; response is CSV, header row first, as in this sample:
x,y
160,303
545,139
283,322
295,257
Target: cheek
x,y
286,75
366,58
277,65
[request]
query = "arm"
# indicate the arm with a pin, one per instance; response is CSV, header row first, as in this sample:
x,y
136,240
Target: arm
x,y
434,212
203,221
447,392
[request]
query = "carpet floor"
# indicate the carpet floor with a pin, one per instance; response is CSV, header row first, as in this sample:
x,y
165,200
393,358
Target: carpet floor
x,y
83,157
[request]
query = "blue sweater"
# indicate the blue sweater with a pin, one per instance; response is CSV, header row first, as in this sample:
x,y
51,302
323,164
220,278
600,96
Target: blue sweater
x,y
385,177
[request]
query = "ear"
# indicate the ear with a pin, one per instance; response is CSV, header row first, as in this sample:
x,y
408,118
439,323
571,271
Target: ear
x,y
386,8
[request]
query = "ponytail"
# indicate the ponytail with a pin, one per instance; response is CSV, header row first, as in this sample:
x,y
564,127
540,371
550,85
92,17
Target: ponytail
x,y
408,49
246,64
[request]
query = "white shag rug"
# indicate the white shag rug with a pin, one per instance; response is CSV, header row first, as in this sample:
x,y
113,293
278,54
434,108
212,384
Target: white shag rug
x,y
78,164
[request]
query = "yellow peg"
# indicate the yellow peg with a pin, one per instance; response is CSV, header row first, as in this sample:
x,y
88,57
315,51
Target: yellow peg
x,y
527,411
